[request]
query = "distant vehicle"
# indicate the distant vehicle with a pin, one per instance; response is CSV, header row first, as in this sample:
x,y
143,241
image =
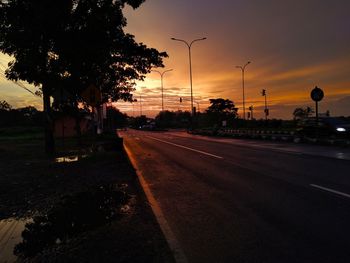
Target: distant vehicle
x,y
147,127
335,127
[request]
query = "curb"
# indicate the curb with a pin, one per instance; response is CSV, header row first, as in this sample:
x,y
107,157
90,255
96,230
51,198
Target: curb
x,y
173,244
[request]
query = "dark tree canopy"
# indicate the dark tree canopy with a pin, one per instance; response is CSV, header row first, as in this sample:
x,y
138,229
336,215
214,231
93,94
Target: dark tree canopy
x,y
71,45
222,106
74,43
220,110
173,119
301,113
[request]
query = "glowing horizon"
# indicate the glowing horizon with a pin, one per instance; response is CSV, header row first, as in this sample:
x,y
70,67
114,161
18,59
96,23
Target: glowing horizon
x,y
300,46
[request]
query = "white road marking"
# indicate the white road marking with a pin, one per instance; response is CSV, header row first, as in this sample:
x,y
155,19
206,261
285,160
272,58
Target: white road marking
x,y
296,149
187,148
330,190
174,244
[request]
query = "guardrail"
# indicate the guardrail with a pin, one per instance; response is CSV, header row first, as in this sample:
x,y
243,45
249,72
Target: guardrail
x,y
273,135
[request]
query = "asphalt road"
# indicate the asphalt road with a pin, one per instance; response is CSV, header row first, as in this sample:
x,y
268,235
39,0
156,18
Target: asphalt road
x,y
229,200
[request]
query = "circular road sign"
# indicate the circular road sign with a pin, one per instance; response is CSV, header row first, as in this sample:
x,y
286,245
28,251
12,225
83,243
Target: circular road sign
x,y
317,94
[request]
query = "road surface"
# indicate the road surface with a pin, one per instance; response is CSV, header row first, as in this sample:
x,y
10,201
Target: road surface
x,y
230,200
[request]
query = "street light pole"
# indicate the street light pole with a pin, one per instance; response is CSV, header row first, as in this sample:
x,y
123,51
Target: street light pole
x,y
243,69
140,106
251,108
161,78
263,93
197,106
189,45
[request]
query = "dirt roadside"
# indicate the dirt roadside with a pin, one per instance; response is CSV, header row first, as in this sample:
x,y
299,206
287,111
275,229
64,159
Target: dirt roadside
x,y
50,193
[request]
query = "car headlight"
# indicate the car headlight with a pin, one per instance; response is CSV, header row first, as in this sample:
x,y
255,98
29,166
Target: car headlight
x,y
340,129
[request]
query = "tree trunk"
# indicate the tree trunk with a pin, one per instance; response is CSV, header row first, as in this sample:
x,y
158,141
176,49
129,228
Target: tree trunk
x,y
77,126
48,122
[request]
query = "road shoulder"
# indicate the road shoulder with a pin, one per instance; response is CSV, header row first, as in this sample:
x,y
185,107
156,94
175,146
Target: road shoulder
x,y
164,226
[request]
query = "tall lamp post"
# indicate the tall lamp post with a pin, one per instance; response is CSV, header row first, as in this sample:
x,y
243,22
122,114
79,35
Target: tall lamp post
x,y
243,69
197,106
140,103
161,78
189,45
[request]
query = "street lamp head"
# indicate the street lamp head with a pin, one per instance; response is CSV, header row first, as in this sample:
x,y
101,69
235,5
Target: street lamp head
x,y
155,71
247,63
169,70
189,45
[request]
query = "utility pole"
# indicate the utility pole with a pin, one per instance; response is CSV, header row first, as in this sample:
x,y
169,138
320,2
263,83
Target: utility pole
x,y
266,110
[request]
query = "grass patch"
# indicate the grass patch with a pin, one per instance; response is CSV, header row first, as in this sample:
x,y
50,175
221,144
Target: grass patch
x,y
21,133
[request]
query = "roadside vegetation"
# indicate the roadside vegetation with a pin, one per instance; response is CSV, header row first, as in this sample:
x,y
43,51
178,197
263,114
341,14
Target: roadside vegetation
x,y
221,119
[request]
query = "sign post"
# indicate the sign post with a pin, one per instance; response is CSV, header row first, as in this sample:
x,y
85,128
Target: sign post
x,y
93,97
317,95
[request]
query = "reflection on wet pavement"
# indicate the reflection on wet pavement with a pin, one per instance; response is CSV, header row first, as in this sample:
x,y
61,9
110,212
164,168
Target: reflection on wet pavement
x,y
10,235
99,148
72,215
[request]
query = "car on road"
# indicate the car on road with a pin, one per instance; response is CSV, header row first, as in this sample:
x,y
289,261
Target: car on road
x,y
333,127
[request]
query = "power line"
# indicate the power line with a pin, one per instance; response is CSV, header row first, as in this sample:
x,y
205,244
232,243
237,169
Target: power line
x,y
18,83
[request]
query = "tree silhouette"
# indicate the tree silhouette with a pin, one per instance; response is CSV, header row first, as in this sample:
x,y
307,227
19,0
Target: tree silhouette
x,y
300,113
222,106
71,44
173,119
220,110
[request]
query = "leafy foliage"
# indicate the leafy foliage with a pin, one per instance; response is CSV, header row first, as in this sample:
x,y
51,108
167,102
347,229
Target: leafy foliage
x,y
137,122
301,113
222,106
74,43
173,119
27,116
221,110
70,45
115,118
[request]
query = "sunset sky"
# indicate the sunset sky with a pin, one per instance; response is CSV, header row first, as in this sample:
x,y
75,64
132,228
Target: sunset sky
x,y
293,45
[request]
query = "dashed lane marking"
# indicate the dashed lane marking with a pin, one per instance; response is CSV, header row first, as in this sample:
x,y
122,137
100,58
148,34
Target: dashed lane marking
x,y
330,190
187,148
